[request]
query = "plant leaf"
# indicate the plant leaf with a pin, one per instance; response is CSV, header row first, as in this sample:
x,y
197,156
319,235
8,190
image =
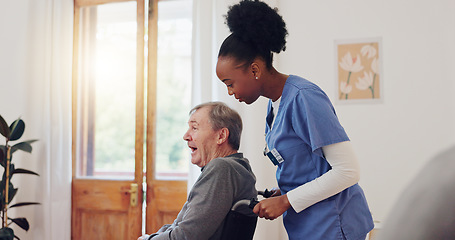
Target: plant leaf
x,y
2,156
11,193
21,222
24,204
24,171
6,233
2,193
17,129
24,146
3,148
4,129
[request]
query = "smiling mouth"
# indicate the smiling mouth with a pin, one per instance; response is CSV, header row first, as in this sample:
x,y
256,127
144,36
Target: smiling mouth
x,y
193,149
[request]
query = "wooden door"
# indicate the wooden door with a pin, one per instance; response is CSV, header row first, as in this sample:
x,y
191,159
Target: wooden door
x,y
103,210
164,198
106,204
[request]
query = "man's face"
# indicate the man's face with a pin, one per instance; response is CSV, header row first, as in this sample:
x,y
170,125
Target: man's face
x,y
201,138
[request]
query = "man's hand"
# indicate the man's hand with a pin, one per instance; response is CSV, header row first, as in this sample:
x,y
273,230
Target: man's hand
x,y
272,207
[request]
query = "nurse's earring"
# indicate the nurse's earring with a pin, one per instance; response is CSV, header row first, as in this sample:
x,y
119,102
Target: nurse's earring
x,y
257,78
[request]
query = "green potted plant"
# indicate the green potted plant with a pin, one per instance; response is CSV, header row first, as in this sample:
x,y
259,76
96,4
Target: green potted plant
x,y
7,190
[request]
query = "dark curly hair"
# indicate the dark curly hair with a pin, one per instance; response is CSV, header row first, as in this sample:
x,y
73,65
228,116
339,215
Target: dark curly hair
x,y
257,30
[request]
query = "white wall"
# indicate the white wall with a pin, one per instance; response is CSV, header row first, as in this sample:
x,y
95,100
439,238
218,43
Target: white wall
x,y
416,120
12,58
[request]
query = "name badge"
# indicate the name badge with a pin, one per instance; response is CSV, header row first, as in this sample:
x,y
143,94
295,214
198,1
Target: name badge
x,y
275,157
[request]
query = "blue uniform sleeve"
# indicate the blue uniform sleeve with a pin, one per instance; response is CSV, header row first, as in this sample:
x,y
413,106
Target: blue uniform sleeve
x,y
315,121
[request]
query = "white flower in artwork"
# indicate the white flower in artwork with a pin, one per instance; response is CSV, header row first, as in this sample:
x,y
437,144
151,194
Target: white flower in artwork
x,y
368,50
345,88
375,66
351,64
365,82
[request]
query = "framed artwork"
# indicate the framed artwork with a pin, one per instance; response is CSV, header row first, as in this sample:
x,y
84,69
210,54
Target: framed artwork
x,y
358,70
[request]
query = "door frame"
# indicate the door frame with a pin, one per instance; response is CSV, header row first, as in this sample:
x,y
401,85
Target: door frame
x,y
88,193
164,198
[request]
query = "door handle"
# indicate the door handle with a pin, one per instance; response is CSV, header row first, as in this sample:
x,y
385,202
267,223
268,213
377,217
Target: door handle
x,y
133,194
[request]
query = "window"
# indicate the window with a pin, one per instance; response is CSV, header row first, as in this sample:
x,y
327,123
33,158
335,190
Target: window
x,y
107,90
174,87
131,95
107,94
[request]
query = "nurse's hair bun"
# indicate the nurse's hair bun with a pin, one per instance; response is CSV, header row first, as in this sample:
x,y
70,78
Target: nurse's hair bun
x,y
256,23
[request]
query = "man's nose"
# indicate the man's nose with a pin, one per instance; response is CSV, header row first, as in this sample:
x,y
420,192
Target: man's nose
x,y
186,136
230,92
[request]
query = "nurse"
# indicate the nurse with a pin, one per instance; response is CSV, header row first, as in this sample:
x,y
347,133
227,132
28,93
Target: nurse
x,y
317,170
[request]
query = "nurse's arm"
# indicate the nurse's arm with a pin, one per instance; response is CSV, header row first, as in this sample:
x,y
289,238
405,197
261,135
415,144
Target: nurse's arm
x,y
344,173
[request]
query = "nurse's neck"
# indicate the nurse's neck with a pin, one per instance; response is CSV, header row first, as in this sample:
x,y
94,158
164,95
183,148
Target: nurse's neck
x,y
274,84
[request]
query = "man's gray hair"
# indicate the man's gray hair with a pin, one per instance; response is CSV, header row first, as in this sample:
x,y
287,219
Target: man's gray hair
x,y
222,116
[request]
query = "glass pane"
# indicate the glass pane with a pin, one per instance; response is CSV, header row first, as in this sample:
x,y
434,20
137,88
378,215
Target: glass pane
x,y
107,91
174,88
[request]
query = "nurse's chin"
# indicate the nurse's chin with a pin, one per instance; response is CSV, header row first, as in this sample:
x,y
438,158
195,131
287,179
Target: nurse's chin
x,y
243,100
248,102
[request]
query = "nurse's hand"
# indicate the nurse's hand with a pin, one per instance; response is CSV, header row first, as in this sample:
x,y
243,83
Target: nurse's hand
x,y
275,192
271,208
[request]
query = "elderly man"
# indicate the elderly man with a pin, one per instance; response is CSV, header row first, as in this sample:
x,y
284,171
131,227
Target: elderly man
x,y
213,136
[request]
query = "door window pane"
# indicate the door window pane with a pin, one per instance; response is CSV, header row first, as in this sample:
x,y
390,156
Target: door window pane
x,y
173,88
107,91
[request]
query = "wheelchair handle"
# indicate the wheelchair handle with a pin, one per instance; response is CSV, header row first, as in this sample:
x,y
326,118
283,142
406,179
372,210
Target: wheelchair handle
x,y
252,202
266,193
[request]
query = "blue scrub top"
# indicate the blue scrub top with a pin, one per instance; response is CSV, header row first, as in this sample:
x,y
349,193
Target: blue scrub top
x,y
306,121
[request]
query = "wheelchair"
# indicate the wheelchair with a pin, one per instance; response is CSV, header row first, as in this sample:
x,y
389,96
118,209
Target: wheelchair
x,y
238,226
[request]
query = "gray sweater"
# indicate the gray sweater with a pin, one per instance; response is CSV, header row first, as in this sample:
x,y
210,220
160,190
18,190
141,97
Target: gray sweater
x,y
223,182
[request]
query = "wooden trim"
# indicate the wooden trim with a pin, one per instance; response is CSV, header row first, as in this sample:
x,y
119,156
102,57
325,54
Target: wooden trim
x,y
74,226
74,88
151,88
86,3
139,144
151,108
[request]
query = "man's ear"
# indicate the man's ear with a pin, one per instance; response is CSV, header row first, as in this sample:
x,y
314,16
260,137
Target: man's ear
x,y
223,135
